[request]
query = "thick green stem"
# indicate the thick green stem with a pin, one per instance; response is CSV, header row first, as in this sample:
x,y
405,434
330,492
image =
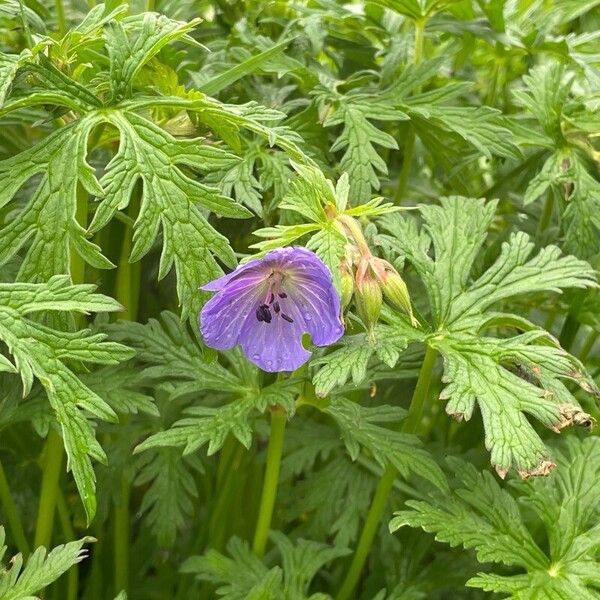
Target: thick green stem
x,y
60,17
53,455
121,533
127,291
409,144
417,404
269,491
410,425
69,533
12,515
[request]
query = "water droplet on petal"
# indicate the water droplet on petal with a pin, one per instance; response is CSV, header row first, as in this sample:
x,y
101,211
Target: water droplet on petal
x,y
256,356
286,355
269,363
308,316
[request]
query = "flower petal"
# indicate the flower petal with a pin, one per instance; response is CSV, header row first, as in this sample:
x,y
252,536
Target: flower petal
x,y
274,346
252,267
223,316
317,306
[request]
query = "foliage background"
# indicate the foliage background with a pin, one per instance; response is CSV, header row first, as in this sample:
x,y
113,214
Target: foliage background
x,y
145,148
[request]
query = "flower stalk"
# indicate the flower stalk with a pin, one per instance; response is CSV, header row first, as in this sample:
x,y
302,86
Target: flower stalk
x,y
271,480
410,425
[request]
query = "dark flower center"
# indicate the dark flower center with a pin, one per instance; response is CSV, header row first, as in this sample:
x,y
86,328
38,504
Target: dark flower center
x,y
263,312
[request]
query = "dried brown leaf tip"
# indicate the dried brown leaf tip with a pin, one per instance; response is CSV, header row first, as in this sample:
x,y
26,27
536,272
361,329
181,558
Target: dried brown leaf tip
x,y
502,472
574,415
457,416
544,468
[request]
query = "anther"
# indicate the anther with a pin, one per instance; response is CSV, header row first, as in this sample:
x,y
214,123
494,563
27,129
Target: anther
x,y
263,313
271,298
286,318
282,295
276,307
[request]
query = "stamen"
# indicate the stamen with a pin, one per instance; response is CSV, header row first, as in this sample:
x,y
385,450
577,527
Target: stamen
x,y
263,313
276,307
286,318
282,295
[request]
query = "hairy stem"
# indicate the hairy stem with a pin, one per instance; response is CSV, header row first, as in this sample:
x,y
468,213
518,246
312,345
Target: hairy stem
x,y
53,455
269,492
409,144
384,487
12,515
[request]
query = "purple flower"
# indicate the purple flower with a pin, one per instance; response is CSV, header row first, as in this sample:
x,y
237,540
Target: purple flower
x,y
267,304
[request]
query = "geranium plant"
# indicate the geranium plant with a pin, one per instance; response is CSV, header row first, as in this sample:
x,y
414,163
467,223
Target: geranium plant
x,y
299,300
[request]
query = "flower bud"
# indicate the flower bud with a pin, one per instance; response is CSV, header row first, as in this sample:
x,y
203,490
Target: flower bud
x,y
396,293
346,282
368,299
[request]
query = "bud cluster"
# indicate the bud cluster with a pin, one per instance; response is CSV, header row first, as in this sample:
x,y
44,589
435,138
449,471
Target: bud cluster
x,y
369,279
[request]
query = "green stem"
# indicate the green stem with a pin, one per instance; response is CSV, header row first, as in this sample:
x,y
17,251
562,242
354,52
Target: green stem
x,y
409,150
60,17
588,344
26,29
77,264
12,515
127,291
572,325
384,487
417,404
546,215
53,455
121,533
69,533
269,491
409,144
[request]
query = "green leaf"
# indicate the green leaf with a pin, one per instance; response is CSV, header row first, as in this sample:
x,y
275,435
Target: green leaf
x,y
317,200
507,378
359,137
170,353
41,352
47,220
457,230
171,201
206,425
171,496
237,577
245,576
480,514
127,58
360,429
350,362
477,369
120,386
19,582
250,65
